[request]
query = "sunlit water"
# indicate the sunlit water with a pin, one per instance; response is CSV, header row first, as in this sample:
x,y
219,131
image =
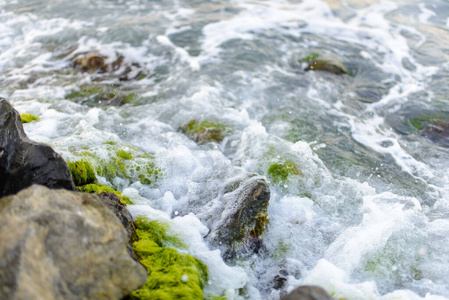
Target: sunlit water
x,y
368,216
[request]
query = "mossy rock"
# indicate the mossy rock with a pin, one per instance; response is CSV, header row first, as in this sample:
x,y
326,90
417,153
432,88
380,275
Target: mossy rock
x,y
279,172
205,131
101,188
172,275
82,172
316,62
104,95
27,118
434,127
123,161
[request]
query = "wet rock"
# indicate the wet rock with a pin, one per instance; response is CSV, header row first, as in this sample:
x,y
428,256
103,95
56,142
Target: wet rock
x,y
308,293
100,95
317,63
24,162
433,127
91,62
63,245
239,216
205,131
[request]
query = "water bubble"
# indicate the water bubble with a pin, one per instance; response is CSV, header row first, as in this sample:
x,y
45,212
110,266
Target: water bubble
x,y
184,278
422,251
121,124
394,268
176,212
285,186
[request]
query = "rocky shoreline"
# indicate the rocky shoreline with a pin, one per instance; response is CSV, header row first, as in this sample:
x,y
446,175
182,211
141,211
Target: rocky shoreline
x,y
57,242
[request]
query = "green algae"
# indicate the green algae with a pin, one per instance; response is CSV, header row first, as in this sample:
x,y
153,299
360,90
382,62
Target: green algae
x,y
27,118
279,172
95,94
82,172
205,131
421,122
172,275
101,188
123,154
111,161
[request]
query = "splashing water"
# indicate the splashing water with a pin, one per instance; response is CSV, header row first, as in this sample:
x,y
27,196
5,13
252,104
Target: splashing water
x,y
361,207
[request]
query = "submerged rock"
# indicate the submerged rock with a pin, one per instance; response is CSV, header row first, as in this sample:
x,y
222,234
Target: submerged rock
x,y
316,63
308,293
63,245
91,62
433,127
205,131
24,162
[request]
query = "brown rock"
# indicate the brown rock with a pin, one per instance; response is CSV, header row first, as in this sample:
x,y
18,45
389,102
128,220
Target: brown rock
x,y
63,245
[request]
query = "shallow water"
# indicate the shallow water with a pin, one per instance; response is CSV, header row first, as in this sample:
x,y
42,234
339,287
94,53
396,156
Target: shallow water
x,y
368,216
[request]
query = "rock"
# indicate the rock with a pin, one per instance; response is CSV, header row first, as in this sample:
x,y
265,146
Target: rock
x,y
316,63
239,216
114,203
308,293
24,162
434,127
63,245
205,131
91,62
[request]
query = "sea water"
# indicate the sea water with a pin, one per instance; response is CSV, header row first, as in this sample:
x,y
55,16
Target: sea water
x,y
368,216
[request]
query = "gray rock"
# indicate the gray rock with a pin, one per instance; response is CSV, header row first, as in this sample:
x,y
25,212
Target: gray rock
x,y
238,216
308,293
57,244
24,162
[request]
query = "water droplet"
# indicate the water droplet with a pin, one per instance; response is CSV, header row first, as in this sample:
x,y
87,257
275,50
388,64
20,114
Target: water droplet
x,y
184,278
285,185
176,212
394,268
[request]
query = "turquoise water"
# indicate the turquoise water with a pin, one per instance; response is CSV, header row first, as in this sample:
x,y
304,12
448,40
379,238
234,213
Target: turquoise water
x,y
365,216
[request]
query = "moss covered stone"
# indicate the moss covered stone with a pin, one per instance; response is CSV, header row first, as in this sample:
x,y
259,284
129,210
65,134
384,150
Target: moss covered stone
x,y
279,172
27,118
96,94
101,188
205,131
112,161
172,275
82,172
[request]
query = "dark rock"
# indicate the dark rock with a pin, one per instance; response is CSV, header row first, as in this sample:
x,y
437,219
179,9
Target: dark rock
x,y
63,245
308,293
24,162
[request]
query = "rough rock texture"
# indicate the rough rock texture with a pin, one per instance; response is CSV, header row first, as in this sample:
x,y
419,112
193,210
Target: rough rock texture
x,y
238,215
112,201
63,245
24,162
308,293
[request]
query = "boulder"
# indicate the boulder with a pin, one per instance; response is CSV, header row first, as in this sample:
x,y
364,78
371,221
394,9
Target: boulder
x,y
24,162
114,203
308,293
63,245
238,215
